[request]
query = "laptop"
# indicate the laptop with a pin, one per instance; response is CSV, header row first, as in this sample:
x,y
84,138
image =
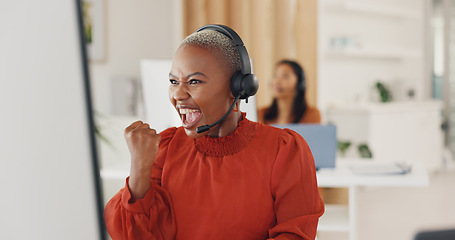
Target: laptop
x,y
321,139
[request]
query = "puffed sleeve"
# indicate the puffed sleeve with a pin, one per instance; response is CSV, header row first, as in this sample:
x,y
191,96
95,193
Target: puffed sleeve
x,y
151,217
298,204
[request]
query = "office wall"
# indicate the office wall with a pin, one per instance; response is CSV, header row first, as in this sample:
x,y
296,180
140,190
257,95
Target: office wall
x,y
134,30
140,29
361,42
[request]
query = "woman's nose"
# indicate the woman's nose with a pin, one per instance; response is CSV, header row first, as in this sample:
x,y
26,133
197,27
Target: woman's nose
x,y
180,92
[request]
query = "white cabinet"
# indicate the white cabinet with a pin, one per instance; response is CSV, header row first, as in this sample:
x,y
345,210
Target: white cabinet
x,y
399,131
344,218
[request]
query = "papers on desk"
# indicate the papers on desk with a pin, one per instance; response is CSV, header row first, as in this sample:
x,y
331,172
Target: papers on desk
x,y
381,169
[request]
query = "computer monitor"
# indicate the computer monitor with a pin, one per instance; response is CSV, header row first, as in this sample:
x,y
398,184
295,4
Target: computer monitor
x,y
321,139
48,161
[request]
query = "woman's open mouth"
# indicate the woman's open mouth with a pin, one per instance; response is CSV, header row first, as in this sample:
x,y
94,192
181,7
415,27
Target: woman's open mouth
x,y
190,117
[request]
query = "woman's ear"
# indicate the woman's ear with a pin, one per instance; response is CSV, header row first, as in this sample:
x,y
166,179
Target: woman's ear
x,y
230,94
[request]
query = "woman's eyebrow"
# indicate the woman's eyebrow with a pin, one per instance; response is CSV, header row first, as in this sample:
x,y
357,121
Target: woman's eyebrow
x,y
191,75
196,73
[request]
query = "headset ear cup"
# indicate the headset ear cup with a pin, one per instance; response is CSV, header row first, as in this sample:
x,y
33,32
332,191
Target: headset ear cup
x,y
236,83
250,85
302,86
244,85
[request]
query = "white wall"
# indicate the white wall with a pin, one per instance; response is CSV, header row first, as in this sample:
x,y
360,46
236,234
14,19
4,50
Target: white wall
x,y
135,30
391,48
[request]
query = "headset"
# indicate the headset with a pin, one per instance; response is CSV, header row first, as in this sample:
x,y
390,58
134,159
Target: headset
x,y
244,83
297,69
302,84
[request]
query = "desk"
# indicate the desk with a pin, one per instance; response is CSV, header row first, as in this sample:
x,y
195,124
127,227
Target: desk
x,y
342,218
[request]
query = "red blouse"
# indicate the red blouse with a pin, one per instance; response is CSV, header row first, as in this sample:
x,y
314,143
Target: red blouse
x,y
257,183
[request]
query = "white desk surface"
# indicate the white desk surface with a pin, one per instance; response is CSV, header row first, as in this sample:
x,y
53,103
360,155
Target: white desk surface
x,y
340,176
343,176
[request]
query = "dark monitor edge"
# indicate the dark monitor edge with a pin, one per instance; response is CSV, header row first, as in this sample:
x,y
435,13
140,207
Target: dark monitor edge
x,y
91,122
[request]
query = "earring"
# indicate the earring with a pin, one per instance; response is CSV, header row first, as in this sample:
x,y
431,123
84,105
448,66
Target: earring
x,y
236,108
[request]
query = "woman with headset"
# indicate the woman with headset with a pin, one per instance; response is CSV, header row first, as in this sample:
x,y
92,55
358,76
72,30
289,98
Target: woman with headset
x,y
289,104
219,175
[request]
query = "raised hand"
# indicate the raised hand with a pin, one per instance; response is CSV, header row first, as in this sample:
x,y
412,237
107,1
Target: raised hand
x,y
143,143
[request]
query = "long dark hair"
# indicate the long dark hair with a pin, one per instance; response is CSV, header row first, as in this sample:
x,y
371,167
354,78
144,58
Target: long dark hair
x,y
299,105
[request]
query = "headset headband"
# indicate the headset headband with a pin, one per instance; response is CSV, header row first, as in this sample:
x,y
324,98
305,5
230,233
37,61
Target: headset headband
x,y
244,58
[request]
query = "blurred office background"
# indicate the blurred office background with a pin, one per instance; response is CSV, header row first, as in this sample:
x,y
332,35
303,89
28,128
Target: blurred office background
x,y
355,54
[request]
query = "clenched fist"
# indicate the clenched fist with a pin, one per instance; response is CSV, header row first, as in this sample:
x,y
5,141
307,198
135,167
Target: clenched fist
x,y
143,143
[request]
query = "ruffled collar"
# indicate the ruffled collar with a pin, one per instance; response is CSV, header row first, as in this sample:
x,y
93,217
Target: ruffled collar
x,y
230,144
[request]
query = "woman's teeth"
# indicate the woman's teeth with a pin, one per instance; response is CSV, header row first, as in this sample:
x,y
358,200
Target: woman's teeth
x,y
190,116
187,110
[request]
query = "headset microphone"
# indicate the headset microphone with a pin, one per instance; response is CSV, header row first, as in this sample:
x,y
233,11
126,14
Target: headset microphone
x,y
244,83
205,128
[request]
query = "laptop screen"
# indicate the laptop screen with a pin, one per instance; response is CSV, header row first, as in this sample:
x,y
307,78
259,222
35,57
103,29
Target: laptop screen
x,y
321,139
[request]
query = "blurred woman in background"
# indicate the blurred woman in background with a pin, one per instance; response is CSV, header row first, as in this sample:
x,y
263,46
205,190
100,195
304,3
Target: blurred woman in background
x,y
289,104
